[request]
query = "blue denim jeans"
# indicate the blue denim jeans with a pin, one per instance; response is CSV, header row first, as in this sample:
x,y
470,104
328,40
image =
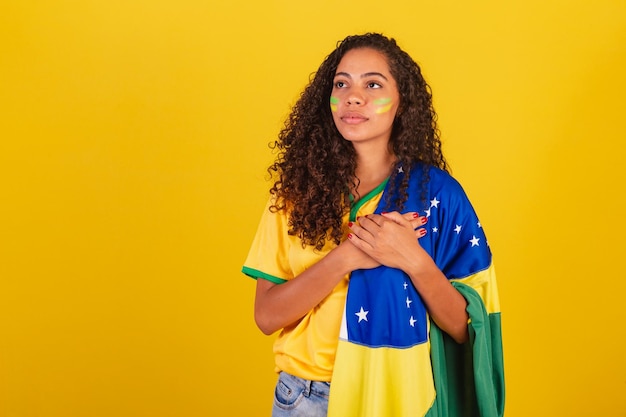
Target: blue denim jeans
x,y
297,397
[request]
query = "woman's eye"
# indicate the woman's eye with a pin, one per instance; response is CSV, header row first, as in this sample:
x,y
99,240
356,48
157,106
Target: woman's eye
x,y
373,85
340,84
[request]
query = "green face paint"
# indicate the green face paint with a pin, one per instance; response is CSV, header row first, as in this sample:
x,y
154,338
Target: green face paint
x,y
333,103
385,104
381,101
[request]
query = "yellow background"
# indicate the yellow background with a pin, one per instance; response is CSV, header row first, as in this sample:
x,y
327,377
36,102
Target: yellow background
x,y
133,148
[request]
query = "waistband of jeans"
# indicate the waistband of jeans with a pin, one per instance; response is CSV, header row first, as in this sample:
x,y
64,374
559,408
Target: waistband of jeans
x,y
317,387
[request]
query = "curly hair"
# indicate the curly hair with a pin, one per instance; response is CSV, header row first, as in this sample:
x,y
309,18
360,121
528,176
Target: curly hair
x,y
315,167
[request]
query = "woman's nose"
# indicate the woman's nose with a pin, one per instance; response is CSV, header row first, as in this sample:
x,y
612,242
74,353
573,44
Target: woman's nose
x,y
355,98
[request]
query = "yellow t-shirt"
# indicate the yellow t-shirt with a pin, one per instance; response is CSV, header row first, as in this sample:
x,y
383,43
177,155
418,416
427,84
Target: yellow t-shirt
x,y
306,348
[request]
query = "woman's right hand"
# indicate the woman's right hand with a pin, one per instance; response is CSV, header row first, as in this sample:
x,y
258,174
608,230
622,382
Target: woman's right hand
x,y
356,258
361,260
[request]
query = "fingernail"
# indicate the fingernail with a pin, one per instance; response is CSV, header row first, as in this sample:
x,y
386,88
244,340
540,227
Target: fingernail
x,y
384,212
422,232
424,220
416,215
350,224
349,235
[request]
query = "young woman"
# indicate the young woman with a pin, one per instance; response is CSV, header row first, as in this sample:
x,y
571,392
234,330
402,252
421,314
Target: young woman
x,y
368,249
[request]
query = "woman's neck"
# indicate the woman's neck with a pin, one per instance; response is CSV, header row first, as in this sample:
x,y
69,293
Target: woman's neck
x,y
372,169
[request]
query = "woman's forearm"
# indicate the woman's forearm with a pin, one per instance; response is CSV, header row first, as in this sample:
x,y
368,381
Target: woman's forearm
x,y
280,305
444,303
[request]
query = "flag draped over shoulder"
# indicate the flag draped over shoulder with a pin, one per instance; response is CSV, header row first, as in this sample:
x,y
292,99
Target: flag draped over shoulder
x,y
392,360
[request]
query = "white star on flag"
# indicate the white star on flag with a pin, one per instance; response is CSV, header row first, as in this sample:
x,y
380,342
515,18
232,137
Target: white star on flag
x,y
479,225
427,212
408,302
435,230
405,285
412,321
362,315
474,240
400,170
457,229
434,202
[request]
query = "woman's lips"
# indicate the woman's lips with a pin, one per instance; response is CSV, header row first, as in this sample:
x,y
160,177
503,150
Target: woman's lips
x,y
353,118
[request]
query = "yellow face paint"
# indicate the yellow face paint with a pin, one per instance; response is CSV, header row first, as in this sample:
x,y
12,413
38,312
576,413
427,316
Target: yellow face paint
x,y
385,104
333,103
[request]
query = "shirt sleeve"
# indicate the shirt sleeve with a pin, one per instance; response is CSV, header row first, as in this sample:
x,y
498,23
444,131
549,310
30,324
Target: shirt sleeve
x,y
268,257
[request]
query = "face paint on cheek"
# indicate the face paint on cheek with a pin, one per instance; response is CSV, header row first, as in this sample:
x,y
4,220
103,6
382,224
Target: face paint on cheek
x,y
385,105
333,103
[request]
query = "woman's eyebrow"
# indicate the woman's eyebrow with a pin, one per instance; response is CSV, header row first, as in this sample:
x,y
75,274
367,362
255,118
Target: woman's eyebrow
x,y
372,74
367,74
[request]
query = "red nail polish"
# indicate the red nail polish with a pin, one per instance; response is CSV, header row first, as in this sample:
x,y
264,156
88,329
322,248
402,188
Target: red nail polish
x,y
350,224
349,235
416,215
422,232
424,220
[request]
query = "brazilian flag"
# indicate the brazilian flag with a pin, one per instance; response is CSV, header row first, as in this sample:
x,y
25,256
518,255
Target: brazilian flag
x,y
392,360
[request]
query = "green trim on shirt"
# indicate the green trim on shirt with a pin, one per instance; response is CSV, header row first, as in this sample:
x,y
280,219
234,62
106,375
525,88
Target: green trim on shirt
x,y
255,273
355,208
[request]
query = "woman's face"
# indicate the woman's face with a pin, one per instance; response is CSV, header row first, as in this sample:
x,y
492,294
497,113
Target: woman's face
x,y
365,97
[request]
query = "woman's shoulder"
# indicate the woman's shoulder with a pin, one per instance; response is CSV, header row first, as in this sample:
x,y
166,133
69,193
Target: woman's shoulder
x,y
445,187
437,177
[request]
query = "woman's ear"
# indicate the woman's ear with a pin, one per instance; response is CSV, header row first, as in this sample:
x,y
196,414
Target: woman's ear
x,y
398,113
400,109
